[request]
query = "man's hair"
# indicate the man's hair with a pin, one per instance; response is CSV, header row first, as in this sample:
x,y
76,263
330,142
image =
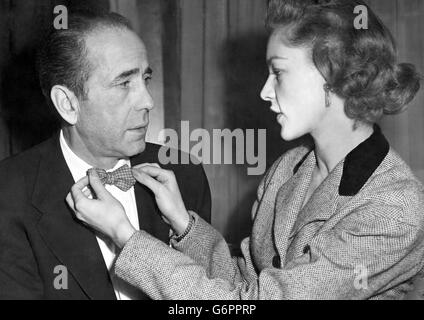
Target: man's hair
x,y
62,58
359,65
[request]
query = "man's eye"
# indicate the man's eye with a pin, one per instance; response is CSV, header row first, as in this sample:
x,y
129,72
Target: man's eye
x,y
147,78
125,84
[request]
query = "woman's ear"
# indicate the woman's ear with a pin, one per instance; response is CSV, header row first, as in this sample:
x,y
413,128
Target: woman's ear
x,y
66,103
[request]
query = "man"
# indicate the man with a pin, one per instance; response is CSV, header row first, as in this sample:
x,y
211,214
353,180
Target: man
x,y
96,75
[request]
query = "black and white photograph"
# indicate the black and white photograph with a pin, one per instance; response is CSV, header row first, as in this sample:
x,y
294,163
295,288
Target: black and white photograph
x,y
211,150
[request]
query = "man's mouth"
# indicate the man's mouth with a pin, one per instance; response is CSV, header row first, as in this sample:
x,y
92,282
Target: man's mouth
x,y
140,127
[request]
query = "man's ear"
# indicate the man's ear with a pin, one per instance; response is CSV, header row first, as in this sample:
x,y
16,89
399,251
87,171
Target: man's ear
x,y
66,103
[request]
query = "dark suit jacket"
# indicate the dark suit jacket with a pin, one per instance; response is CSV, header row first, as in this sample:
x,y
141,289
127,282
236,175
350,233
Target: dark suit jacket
x,y
38,231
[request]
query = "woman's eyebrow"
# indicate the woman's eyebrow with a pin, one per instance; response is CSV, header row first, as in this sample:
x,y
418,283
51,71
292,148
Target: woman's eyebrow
x,y
270,59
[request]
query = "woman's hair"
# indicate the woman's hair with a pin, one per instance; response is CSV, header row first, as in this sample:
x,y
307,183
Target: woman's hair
x,y
359,65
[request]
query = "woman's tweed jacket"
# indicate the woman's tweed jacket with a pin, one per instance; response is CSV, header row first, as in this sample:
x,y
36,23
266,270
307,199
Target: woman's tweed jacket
x,y
360,236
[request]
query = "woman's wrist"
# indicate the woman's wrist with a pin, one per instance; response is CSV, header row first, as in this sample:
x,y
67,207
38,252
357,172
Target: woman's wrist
x,y
181,236
123,234
180,226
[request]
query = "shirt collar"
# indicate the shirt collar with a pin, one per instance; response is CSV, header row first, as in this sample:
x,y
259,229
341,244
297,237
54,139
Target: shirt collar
x,y
78,166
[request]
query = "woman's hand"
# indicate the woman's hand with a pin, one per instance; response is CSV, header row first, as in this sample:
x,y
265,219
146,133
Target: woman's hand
x,y
168,197
104,214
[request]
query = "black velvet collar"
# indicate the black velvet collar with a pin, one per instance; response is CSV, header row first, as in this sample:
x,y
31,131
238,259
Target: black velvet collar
x,y
360,163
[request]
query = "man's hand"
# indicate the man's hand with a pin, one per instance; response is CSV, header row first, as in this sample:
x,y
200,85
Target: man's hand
x,y
167,193
103,213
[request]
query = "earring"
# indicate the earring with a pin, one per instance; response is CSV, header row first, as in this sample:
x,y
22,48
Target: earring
x,y
327,89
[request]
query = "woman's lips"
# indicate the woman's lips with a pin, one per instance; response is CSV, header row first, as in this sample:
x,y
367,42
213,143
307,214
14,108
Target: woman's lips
x,y
280,117
275,109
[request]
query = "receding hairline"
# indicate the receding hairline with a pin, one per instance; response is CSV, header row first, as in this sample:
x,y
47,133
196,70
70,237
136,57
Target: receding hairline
x,y
88,58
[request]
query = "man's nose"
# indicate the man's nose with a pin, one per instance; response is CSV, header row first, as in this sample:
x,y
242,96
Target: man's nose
x,y
268,92
144,99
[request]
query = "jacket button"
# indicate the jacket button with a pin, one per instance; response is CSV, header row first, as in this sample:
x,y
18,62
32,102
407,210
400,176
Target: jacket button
x,y
276,262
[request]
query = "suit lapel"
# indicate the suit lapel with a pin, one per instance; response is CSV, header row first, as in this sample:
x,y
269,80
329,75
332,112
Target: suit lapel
x,y
74,245
323,202
148,213
289,201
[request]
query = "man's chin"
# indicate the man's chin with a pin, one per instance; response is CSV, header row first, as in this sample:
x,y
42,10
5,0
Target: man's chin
x,y
136,149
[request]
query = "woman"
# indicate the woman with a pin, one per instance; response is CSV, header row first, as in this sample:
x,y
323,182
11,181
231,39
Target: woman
x,y
339,220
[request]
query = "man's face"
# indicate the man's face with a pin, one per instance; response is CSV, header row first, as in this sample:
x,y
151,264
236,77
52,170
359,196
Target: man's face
x,y
112,121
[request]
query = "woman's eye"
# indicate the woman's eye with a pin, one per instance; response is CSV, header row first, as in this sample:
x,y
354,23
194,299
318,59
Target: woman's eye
x,y
278,74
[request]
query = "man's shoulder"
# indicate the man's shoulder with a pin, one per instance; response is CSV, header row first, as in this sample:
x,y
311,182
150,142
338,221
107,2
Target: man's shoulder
x,y
26,159
18,173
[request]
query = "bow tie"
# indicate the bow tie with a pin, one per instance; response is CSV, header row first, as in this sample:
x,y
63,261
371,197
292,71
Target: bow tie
x,y
122,177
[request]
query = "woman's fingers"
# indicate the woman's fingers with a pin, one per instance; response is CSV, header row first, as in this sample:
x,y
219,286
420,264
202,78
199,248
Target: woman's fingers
x,y
82,183
81,187
98,187
70,201
161,175
147,165
76,190
147,180
87,193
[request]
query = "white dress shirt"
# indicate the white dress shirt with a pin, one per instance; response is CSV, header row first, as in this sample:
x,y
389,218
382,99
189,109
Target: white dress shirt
x,y
78,168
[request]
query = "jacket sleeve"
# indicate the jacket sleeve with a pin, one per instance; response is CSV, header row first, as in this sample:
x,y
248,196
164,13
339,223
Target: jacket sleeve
x,y
204,242
19,277
350,261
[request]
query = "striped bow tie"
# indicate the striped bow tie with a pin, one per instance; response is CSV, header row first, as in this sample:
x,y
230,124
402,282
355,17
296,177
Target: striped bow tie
x,y
122,177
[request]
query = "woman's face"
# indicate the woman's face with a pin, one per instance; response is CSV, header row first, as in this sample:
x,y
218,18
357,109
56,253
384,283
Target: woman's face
x,y
295,89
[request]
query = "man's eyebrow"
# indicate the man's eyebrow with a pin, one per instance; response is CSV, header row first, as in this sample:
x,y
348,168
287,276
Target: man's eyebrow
x,y
127,74
270,59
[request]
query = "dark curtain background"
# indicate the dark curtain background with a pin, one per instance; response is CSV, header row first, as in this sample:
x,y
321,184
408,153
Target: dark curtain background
x,y
25,117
